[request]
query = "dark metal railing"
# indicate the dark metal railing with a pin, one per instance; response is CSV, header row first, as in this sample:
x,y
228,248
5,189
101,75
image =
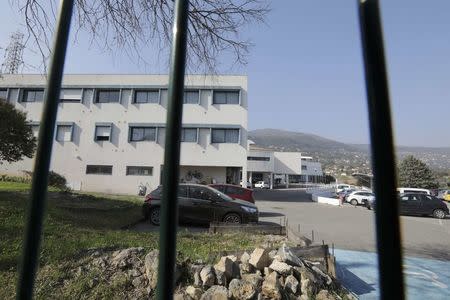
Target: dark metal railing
x,y
387,220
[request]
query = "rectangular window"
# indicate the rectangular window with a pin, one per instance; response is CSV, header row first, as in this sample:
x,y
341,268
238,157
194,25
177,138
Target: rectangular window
x,y
107,96
225,136
3,94
102,132
226,97
191,97
139,171
33,95
138,134
146,96
64,133
189,135
304,168
70,95
99,169
259,158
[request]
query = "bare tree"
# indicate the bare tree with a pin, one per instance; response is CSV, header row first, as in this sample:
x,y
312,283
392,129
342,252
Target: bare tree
x,y
136,25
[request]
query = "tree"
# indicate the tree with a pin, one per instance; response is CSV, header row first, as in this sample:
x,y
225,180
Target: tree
x,y
133,25
412,172
16,136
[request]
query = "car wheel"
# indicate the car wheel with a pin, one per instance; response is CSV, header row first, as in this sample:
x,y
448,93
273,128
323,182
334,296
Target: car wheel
x,y
439,213
232,218
354,202
154,216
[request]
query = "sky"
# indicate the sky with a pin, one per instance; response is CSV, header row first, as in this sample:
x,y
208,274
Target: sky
x,y
305,70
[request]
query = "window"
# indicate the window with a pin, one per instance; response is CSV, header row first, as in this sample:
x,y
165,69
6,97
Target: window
x,y
102,133
33,95
304,168
201,193
191,97
226,97
138,134
189,135
234,190
35,130
108,96
225,136
146,96
259,158
3,94
99,169
139,171
70,95
64,133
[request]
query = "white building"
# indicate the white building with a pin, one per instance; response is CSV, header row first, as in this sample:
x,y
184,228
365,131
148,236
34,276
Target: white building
x,y
281,168
110,129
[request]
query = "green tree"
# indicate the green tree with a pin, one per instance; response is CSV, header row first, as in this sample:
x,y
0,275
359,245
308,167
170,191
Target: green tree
x,y
16,136
412,172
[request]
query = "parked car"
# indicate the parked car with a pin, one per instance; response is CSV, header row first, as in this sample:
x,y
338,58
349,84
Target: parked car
x,y
359,197
370,204
422,205
235,192
249,184
202,204
413,190
261,185
342,187
343,195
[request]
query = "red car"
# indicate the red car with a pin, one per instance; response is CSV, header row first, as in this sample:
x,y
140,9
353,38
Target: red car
x,y
235,191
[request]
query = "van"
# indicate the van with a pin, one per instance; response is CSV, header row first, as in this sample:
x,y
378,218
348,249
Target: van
x,y
413,190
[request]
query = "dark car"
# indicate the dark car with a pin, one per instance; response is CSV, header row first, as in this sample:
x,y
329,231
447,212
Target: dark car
x,y
202,204
235,192
422,205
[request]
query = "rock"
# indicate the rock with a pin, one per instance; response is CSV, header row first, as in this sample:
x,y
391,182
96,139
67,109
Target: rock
x,y
245,268
232,257
180,296
194,292
324,276
281,268
151,268
286,255
325,295
253,279
272,254
138,282
207,276
195,271
260,258
245,257
134,273
271,287
225,265
221,279
309,282
291,284
216,292
241,290
121,258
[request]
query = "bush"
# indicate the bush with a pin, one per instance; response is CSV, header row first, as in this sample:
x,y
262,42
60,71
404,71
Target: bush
x,y
54,179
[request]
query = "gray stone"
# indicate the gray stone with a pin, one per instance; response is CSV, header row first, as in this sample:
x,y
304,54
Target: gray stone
x,y
221,279
134,273
245,268
232,257
216,292
225,265
291,284
286,255
272,254
260,258
121,258
207,276
271,287
180,296
254,279
241,290
281,268
324,276
245,257
151,268
194,292
138,282
197,279
325,295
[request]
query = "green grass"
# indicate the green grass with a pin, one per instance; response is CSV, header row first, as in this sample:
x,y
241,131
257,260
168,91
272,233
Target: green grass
x,y
76,222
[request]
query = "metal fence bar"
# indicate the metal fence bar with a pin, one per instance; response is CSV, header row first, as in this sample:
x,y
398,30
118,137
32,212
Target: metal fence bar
x,y
383,158
38,196
169,205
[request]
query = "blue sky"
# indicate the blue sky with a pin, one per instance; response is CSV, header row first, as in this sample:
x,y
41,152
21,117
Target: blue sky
x,y
305,69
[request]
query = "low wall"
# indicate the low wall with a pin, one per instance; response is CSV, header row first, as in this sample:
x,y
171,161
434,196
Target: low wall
x,y
326,200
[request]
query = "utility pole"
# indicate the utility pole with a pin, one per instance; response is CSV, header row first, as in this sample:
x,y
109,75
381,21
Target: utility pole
x,y
13,54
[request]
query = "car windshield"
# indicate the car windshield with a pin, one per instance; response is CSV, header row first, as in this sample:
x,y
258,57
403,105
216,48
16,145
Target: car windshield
x,y
220,194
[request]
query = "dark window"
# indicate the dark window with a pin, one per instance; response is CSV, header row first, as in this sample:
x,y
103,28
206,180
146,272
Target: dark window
x,y
3,93
226,97
33,95
138,134
234,190
146,96
64,133
191,97
107,96
225,136
189,135
103,132
197,192
99,169
139,171
304,168
259,158
220,188
182,191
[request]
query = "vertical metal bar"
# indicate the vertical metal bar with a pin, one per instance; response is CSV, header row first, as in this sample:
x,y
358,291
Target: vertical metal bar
x,y
383,158
38,196
169,205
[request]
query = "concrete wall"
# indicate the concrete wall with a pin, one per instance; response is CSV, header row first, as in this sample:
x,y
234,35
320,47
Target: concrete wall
x,y
288,163
258,165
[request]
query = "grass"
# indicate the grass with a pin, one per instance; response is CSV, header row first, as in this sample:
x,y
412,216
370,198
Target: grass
x,y
76,222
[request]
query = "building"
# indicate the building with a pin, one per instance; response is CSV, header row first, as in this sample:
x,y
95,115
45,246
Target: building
x,y
110,129
281,168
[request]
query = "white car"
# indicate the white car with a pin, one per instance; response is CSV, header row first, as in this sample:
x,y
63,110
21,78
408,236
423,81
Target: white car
x,y
342,187
360,197
249,184
261,185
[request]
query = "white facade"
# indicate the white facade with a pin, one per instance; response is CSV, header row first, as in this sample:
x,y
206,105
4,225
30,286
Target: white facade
x,y
113,146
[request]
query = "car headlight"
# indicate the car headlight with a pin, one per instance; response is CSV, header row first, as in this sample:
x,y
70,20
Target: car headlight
x,y
249,209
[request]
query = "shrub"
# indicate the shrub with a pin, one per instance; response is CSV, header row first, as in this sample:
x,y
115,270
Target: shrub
x,y
57,180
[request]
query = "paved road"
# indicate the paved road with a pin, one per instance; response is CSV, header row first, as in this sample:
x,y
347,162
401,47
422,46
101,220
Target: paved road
x,y
352,228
